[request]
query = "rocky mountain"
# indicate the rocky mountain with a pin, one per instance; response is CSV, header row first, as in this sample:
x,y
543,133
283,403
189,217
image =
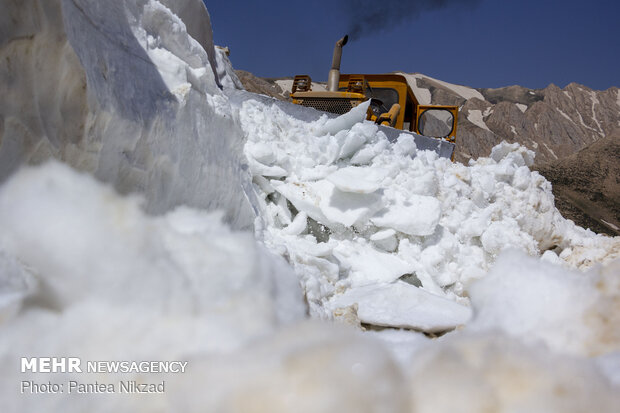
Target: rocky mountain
x,y
553,122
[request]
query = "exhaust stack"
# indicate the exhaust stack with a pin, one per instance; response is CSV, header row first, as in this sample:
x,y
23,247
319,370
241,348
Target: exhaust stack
x,y
334,73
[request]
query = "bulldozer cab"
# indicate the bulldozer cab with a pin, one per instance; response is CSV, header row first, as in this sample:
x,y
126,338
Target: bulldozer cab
x,y
392,103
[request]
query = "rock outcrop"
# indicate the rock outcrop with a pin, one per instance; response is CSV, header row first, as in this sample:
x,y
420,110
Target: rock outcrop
x,y
261,86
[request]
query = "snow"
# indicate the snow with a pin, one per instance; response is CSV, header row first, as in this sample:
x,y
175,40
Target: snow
x,y
385,239
358,179
325,203
111,111
586,126
286,85
416,215
58,221
595,102
422,94
550,150
493,372
348,228
398,212
609,224
403,305
332,126
475,117
521,107
225,72
463,91
564,114
515,298
367,265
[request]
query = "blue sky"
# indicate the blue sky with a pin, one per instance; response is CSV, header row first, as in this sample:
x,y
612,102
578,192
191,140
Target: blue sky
x,y
478,43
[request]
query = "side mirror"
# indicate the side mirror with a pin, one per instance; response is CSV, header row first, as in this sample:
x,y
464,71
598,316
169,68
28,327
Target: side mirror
x,y
435,122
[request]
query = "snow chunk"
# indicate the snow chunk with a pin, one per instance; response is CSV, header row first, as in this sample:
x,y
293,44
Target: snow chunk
x,y
299,224
501,235
405,145
357,179
514,153
342,122
385,239
327,204
402,305
417,215
368,265
349,208
261,152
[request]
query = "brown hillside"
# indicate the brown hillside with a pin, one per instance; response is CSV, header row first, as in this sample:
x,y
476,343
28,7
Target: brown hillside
x,y
586,185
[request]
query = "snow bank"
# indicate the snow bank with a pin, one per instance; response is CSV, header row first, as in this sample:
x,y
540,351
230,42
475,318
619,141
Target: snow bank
x,y
97,278
57,221
127,91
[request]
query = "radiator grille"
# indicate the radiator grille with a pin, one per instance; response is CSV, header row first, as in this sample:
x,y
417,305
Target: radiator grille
x,y
338,106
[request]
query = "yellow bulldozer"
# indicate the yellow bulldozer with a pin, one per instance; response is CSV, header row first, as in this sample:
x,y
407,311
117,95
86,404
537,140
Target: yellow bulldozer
x,y
392,104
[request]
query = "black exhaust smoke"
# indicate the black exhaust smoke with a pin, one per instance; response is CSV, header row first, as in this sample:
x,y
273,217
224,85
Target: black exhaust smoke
x,y
374,16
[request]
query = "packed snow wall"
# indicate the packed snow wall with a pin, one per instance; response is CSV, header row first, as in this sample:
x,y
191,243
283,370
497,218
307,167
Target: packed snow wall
x,y
120,90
